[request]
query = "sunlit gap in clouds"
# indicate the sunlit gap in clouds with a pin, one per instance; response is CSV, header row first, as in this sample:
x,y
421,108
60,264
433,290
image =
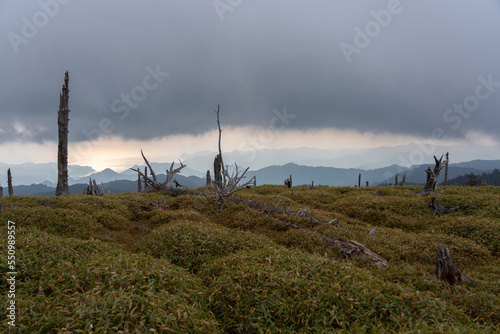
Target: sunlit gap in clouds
x,y
119,154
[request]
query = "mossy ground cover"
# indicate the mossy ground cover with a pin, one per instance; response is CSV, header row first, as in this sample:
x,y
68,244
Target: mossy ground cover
x,y
85,267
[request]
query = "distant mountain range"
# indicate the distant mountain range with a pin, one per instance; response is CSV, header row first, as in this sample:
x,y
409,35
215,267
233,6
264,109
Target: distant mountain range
x,y
198,163
349,177
365,159
113,187
127,181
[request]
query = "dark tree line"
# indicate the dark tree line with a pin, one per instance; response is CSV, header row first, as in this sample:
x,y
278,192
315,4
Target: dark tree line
x,y
489,178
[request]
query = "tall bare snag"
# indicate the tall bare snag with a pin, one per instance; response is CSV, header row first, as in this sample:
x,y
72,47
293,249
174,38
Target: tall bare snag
x,y
62,148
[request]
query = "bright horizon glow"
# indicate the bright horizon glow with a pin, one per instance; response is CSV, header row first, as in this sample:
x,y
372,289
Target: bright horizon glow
x,y
120,154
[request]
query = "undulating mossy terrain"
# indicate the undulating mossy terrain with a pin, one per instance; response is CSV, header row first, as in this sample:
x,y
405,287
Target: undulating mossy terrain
x,y
142,263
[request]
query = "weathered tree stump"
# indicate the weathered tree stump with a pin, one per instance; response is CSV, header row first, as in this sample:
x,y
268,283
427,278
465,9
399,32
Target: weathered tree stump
x,y
432,177
438,208
208,180
403,181
446,169
139,183
93,189
446,270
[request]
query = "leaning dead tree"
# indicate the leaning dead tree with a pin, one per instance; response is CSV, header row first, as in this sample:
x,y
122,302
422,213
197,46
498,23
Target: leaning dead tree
x,y
153,185
225,183
432,177
62,148
9,183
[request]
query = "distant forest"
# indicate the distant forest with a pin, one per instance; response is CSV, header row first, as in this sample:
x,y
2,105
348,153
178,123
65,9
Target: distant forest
x,y
489,178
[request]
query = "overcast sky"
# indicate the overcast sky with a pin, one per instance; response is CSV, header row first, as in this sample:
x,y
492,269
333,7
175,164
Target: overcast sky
x,y
149,74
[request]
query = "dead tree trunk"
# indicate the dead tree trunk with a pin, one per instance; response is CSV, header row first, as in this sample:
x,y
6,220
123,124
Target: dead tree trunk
x,y
403,181
432,177
1,191
139,183
288,182
9,183
359,180
396,180
62,148
145,181
209,179
446,169
226,184
93,189
218,167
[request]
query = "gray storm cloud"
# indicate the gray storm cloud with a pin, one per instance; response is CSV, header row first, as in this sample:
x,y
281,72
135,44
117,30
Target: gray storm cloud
x,y
383,66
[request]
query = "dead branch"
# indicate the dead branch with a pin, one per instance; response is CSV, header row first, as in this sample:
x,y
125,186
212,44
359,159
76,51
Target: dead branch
x,y
153,185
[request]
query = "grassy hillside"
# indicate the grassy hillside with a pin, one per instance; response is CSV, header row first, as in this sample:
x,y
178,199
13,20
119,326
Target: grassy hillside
x,y
86,264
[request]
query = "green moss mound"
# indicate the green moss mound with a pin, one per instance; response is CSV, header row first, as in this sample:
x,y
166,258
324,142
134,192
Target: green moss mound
x,y
78,286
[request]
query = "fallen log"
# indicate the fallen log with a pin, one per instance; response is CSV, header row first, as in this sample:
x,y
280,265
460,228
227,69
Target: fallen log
x,y
347,248
278,210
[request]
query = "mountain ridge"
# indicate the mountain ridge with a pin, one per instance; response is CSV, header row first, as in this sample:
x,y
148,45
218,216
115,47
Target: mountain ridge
x,y
274,175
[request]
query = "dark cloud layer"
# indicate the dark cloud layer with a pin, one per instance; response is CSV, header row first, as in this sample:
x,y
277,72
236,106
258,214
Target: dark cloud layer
x,y
263,55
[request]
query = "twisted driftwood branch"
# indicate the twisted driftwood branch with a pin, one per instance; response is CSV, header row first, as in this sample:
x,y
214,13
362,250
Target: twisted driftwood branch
x,y
165,187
